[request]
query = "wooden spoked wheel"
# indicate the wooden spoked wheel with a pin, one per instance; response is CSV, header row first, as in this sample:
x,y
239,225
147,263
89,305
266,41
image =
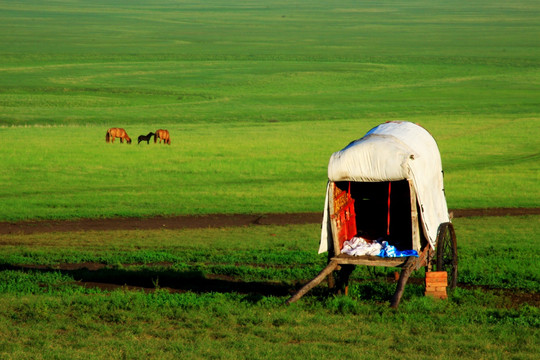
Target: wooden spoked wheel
x,y
446,259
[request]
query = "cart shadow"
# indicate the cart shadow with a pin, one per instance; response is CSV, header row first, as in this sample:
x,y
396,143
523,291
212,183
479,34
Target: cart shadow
x,y
115,277
148,280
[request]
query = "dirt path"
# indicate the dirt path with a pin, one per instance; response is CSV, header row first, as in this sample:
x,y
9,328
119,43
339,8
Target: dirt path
x,y
207,221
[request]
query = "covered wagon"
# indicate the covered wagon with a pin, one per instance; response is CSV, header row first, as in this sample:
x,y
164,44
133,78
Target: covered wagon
x,y
385,206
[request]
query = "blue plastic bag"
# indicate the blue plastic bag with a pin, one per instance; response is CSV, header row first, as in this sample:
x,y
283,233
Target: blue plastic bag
x,y
391,251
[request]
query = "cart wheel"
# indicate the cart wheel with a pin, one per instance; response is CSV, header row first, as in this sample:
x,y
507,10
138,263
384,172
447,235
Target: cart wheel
x,y
447,253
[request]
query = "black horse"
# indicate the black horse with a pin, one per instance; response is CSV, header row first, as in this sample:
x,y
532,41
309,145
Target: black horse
x,y
145,138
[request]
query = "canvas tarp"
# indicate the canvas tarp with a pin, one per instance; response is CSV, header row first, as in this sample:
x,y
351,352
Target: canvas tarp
x,y
393,151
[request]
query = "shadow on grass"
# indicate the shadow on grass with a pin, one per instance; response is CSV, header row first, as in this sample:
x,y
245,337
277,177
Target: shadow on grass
x,y
150,277
148,280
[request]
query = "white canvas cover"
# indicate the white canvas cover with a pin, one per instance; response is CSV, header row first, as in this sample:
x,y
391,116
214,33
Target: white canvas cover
x,y
393,151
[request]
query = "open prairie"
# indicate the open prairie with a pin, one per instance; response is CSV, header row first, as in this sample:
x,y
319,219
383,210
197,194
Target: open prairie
x,y
63,172
257,96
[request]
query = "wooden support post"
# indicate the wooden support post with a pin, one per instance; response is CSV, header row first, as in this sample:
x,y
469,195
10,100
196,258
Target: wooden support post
x,y
415,230
343,278
332,265
429,257
403,278
333,222
331,279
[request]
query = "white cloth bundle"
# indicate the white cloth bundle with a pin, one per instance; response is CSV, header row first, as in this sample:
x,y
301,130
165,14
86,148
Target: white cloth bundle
x,y
359,246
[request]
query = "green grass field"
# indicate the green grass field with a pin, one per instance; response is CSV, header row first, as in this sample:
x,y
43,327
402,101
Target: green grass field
x,y
230,61
257,96
498,252
241,168
220,293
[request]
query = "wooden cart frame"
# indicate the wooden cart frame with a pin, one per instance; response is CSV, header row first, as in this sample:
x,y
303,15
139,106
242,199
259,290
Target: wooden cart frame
x,y
344,214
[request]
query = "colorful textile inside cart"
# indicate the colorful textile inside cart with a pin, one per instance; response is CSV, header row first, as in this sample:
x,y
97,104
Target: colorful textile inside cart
x,y
359,246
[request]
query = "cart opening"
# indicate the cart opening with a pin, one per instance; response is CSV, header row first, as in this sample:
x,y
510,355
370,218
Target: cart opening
x,y
382,210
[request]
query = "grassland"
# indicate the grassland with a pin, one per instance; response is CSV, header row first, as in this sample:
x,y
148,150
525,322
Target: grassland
x,y
64,172
496,252
220,293
257,95
180,62
260,94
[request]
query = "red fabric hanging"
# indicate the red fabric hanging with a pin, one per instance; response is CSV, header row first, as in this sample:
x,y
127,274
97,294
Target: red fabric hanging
x,y
344,216
388,218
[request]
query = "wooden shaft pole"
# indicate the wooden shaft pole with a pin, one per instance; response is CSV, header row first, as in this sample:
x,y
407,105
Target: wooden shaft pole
x,y
332,265
403,278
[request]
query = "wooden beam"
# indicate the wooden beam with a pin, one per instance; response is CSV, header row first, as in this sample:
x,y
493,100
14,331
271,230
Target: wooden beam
x,y
332,265
331,214
423,258
344,259
415,230
403,278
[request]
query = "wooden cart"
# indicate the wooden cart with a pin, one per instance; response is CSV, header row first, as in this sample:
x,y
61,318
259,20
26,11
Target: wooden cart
x,y
390,210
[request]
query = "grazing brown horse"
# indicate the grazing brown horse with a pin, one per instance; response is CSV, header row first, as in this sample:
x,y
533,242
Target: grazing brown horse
x,y
113,133
162,135
145,138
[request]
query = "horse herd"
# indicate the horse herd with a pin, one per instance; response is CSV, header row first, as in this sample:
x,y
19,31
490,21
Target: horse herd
x,y
120,133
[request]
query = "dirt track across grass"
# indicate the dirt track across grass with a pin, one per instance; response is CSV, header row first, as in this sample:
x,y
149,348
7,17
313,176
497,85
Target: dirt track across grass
x,y
207,221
